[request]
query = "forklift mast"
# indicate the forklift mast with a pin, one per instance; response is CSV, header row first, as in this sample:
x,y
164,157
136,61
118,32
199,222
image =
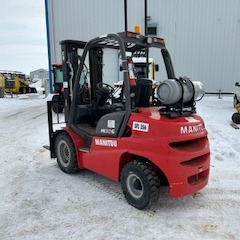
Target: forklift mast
x,y
96,67
70,62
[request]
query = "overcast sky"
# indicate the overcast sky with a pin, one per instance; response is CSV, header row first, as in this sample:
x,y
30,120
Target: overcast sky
x,y
23,44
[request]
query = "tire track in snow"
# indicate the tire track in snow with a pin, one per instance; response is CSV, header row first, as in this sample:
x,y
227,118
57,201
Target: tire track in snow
x,y
113,189
28,112
102,184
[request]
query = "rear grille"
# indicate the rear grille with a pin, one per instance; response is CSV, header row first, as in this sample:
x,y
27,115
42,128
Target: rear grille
x,y
195,179
190,145
197,165
198,161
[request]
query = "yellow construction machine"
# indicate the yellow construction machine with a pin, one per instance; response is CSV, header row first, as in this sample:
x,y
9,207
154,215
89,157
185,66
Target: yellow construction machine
x,y
15,82
2,84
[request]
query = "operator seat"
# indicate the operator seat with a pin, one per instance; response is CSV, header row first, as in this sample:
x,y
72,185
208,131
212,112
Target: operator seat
x,y
143,91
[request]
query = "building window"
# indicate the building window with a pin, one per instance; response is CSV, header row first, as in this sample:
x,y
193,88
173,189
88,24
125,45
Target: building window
x,y
152,29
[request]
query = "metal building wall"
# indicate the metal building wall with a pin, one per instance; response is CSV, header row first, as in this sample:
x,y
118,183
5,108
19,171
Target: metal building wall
x,y
202,35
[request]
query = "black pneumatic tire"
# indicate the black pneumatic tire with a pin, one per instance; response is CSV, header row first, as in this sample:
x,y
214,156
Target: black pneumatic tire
x,y
236,118
66,153
140,184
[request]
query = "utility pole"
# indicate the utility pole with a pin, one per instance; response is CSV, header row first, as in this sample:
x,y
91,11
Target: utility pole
x,y
145,28
146,33
125,15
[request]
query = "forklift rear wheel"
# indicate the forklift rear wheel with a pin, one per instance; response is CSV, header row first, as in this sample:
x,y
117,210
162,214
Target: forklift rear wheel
x,y
140,184
66,154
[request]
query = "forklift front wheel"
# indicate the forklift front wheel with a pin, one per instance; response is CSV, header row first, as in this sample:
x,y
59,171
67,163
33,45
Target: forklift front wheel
x,y
65,153
140,184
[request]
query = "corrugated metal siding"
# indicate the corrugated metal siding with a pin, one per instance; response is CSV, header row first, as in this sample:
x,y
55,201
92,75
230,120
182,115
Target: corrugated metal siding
x,y
205,46
202,35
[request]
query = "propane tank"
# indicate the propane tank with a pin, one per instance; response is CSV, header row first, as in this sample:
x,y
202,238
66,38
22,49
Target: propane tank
x,y
171,91
199,89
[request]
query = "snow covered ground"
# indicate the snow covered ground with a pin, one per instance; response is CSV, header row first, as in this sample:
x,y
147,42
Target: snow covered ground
x,y
39,201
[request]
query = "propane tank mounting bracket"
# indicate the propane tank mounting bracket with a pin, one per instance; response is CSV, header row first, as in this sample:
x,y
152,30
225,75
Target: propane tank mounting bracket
x,y
184,103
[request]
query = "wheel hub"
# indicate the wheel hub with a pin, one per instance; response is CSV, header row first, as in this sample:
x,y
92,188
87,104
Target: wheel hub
x,y
64,153
134,185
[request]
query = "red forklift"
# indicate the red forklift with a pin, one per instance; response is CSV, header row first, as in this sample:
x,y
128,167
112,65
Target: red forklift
x,y
132,138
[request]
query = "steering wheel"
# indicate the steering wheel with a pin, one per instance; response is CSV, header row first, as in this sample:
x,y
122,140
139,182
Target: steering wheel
x,y
105,88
